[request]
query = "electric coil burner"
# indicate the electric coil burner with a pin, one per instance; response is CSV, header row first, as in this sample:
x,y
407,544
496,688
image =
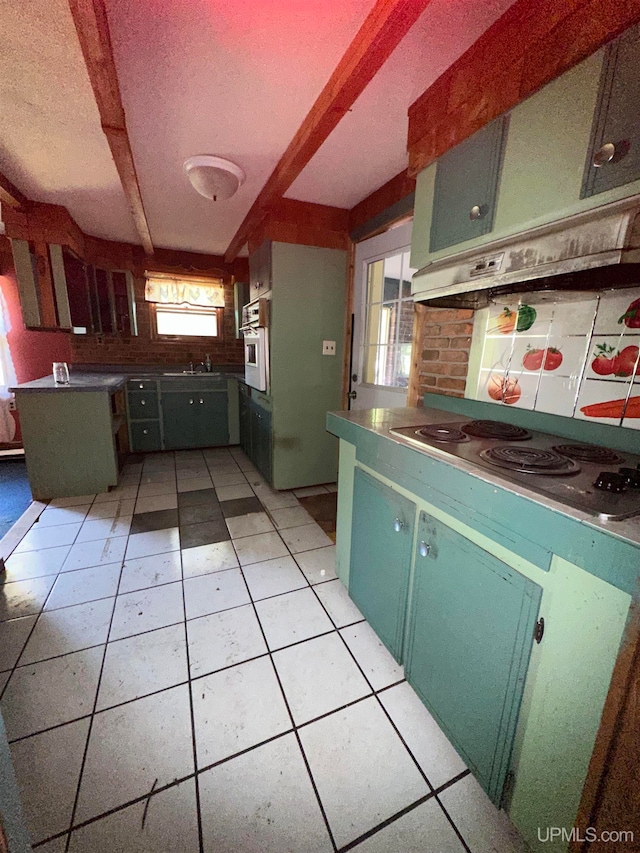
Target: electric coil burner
x,y
529,460
495,429
589,453
442,432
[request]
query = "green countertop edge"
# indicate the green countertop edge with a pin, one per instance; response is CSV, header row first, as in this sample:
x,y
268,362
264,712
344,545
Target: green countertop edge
x,y
600,553
618,438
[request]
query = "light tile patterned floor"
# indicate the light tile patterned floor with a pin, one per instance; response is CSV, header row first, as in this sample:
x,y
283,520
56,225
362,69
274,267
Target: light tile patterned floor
x,y
182,671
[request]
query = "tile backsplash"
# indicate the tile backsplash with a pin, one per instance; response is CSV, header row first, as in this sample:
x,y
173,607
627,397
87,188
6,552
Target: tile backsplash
x,y
571,354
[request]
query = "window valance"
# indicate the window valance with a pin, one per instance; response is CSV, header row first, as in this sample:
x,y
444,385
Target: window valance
x,y
170,290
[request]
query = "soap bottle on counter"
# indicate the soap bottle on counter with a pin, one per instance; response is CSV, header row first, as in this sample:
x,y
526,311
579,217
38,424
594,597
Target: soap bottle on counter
x,y
207,363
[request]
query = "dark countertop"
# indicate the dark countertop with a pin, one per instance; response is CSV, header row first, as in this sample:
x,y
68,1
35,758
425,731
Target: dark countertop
x,y
88,380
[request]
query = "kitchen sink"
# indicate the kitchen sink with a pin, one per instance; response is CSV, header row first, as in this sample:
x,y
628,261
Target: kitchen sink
x,y
190,373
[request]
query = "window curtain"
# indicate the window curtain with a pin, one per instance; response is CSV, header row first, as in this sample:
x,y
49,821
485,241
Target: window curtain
x,y
167,290
7,376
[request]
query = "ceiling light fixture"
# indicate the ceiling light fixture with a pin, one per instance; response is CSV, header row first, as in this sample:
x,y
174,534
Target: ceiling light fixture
x,y
214,177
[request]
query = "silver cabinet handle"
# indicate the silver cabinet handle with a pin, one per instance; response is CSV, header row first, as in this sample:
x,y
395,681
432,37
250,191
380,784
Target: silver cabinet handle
x,y
398,525
201,400
604,155
424,549
478,211
143,402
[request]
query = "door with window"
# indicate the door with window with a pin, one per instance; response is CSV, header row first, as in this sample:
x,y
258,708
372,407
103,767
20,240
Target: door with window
x,y
383,320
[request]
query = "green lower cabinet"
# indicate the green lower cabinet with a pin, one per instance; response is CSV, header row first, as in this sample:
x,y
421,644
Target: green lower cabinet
x,y
145,436
245,424
212,418
469,641
194,419
381,550
260,432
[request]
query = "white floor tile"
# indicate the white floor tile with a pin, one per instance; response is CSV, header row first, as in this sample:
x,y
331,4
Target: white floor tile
x,y
479,822
309,491
48,537
318,565
161,475
194,484
47,763
156,503
223,639
256,549
143,664
170,824
292,617
237,708
35,564
425,829
319,676
376,661
205,559
104,528
58,845
76,500
293,516
69,630
144,743
118,493
231,493
24,598
129,479
424,737
54,516
386,779
111,509
249,525
211,593
145,572
84,585
4,678
52,692
84,555
154,542
273,577
227,479
262,802
307,537
275,500
148,490
146,610
13,636
339,606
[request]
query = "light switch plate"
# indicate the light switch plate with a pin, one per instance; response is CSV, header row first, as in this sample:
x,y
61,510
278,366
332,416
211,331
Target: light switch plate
x,y
328,347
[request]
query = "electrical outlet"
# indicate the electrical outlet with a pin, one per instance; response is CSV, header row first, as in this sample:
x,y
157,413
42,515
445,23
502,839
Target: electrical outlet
x,y
12,405
328,347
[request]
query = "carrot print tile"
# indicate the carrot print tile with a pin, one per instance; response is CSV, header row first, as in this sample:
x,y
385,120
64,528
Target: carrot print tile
x,y
602,401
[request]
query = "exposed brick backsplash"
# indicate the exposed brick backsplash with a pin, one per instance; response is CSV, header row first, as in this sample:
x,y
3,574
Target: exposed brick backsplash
x,y
445,345
143,349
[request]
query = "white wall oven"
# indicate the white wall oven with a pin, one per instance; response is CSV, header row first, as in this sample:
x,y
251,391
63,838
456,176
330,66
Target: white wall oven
x,y
256,350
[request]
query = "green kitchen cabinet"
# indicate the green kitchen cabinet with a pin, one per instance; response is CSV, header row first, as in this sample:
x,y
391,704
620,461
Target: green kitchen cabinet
x,y
193,419
381,550
469,641
143,415
260,271
212,418
466,186
260,438
245,419
145,436
143,405
615,137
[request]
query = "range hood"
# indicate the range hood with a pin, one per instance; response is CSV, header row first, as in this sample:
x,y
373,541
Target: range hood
x,y
593,250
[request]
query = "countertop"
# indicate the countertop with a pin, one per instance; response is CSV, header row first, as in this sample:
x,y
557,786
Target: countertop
x,y
380,421
86,380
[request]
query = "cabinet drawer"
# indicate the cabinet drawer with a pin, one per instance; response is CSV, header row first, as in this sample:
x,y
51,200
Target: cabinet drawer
x,y
145,436
142,405
142,385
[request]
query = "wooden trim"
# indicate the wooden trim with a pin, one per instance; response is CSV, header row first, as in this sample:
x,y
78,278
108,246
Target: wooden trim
x,y
303,223
383,29
370,208
413,391
48,316
529,46
10,195
348,328
92,26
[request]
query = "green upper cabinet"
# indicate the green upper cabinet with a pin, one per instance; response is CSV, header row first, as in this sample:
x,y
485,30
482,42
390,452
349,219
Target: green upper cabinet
x,y
260,270
381,548
468,646
614,154
466,186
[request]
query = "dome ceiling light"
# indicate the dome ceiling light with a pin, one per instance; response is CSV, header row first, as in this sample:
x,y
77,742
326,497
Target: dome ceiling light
x,y
214,177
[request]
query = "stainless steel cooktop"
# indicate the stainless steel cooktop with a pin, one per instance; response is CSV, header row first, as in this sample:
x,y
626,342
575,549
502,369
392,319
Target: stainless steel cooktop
x,y
602,482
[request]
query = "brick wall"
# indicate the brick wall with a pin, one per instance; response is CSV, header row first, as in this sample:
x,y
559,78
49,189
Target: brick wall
x,y
445,345
143,349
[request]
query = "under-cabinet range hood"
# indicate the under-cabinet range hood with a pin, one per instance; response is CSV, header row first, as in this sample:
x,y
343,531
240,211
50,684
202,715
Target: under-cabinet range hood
x,y
593,250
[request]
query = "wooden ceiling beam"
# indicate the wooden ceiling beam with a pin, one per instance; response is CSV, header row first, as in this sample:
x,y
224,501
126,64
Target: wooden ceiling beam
x,y
92,26
11,195
383,29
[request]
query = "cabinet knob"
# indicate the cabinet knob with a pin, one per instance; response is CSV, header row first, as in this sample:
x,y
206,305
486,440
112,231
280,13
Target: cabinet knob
x,y
201,400
141,385
610,153
424,549
143,402
398,525
478,211
191,402
145,432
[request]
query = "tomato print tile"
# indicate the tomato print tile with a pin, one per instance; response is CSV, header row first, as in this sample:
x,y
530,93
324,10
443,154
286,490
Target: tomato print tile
x,y
557,394
601,401
613,307
613,357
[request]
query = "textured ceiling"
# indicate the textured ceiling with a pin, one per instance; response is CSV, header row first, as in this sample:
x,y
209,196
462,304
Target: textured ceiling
x,y
51,144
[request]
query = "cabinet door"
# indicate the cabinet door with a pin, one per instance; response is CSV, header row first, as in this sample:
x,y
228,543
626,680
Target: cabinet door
x,y
145,436
468,647
466,187
179,420
260,433
381,545
212,418
143,405
245,424
260,270
616,118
